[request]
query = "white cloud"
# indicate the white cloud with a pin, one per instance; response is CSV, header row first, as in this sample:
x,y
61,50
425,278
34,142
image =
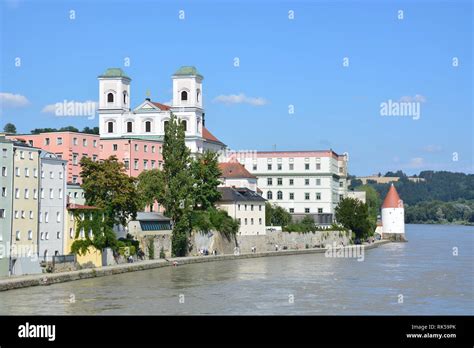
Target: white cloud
x,y
416,162
240,99
417,98
432,148
10,100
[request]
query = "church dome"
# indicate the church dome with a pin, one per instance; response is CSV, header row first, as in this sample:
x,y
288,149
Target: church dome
x,y
188,71
114,72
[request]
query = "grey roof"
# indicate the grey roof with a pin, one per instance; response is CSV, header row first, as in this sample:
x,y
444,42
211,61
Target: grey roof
x,y
151,216
239,194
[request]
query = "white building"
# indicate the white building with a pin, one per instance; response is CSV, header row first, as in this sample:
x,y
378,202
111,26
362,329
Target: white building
x,y
246,206
393,216
148,120
303,182
52,206
234,174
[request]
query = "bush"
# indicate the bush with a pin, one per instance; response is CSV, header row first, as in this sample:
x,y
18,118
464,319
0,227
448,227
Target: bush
x,y
151,248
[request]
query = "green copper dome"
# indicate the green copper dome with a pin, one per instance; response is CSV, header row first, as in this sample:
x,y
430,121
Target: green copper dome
x,y
114,72
188,71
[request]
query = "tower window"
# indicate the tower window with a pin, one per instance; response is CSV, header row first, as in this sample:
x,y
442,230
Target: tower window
x,y
184,124
198,95
129,127
184,95
110,98
166,124
110,127
147,126
125,97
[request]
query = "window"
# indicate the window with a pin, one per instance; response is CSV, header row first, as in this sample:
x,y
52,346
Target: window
x,y
279,181
135,164
291,210
198,93
31,215
269,195
136,147
46,141
58,216
125,97
127,164
110,98
94,158
251,221
114,147
60,175
260,207
60,193
318,166
2,213
341,197
17,171
318,196
42,193
35,172
58,235
59,141
153,164
145,148
184,124
251,207
279,166
27,193
22,214
51,193
153,149
46,235
306,181
318,182
51,175
35,194
165,124
320,210
4,152
74,141
30,154
254,167
238,206
30,235
269,181
42,174
306,196
4,191
145,164
279,195
341,183
4,171
84,142
148,126
71,233
292,181
110,127
17,193
306,210
292,166
94,143
17,235
46,217
184,95
292,195
306,166
245,207
17,214
269,166
22,155
74,179
246,221
259,221
74,158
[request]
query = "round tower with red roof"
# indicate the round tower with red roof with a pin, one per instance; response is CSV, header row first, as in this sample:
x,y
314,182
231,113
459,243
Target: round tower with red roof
x,y
393,216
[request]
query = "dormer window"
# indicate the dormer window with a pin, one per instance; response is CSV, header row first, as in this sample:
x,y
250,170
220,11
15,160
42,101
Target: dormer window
x,y
110,98
184,95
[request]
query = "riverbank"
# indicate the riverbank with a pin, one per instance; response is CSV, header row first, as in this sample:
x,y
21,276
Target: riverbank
x,y
54,278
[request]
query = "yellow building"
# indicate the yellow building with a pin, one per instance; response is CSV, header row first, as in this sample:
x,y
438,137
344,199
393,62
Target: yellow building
x,y
25,208
83,212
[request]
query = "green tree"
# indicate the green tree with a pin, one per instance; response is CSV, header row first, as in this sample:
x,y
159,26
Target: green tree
x,y
276,215
150,187
373,202
354,215
9,128
107,186
178,183
68,129
205,171
88,130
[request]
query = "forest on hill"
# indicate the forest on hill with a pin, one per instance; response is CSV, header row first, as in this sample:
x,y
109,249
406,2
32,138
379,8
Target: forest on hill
x,y
444,197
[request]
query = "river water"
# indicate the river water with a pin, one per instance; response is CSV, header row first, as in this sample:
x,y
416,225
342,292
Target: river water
x,y
422,276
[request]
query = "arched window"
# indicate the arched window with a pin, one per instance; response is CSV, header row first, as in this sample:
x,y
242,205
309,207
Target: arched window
x,y
166,124
184,124
184,95
125,97
269,195
129,127
110,127
279,195
198,95
148,126
110,98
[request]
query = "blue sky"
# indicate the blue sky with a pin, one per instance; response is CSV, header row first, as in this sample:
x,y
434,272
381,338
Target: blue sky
x,y
283,62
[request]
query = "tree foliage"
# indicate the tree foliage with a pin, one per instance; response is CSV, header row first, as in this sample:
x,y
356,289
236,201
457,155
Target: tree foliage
x,y
205,171
107,186
354,215
9,128
276,215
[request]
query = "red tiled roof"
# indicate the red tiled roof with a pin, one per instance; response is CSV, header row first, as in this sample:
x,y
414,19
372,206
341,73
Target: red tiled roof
x,y
161,106
392,200
234,170
209,136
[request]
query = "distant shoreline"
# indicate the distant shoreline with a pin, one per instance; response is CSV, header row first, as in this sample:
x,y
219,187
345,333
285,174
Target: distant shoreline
x,y
55,278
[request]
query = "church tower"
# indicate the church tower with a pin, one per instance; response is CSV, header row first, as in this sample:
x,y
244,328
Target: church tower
x,y
187,104
393,216
114,91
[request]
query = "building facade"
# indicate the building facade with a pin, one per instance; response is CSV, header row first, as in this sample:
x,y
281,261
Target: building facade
x,y
302,182
53,196
234,174
6,203
25,221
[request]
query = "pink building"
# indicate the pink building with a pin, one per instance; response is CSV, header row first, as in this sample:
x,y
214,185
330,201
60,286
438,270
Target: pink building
x,y
137,154
70,146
